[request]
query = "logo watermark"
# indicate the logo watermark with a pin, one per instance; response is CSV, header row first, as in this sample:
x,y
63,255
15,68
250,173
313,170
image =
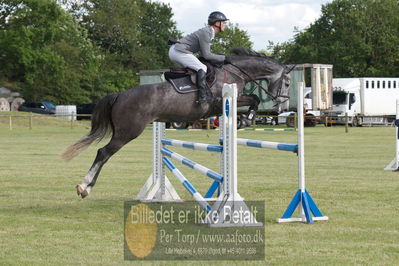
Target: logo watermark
x,y
173,231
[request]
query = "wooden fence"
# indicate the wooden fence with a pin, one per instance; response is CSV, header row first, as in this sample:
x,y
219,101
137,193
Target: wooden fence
x,y
31,117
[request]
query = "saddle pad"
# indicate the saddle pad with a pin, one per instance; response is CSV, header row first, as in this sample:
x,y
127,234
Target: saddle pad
x,y
183,85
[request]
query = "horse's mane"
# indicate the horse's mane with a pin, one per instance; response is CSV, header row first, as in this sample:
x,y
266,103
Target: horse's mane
x,y
242,51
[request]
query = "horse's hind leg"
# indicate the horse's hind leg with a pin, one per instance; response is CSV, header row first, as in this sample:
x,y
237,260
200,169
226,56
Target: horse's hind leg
x,y
124,132
102,157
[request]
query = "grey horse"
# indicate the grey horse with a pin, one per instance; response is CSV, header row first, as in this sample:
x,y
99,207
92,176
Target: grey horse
x,y
125,115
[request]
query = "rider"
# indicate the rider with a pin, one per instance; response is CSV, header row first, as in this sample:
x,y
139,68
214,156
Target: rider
x,y
183,51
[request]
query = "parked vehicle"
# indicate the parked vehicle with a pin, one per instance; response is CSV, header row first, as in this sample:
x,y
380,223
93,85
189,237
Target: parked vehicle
x,y
365,101
38,107
266,120
312,117
288,118
317,79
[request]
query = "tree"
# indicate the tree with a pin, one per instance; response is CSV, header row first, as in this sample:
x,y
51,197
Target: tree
x,y
232,37
45,53
132,35
50,55
359,37
156,27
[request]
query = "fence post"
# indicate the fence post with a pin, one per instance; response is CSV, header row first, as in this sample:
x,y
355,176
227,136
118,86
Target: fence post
x,y
72,120
30,120
346,122
10,121
326,121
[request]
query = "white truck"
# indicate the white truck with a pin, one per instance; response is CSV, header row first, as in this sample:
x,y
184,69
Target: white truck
x,y
318,92
366,101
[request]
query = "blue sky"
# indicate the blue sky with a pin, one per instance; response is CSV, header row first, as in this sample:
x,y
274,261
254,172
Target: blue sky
x,y
264,20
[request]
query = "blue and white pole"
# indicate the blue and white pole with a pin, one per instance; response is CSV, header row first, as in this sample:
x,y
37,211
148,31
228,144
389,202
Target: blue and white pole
x,y
394,164
190,188
268,145
192,145
267,129
195,166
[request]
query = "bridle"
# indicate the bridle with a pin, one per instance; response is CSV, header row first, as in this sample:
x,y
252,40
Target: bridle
x,y
258,85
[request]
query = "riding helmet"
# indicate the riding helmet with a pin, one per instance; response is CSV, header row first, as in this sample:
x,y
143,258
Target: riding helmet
x,y
215,17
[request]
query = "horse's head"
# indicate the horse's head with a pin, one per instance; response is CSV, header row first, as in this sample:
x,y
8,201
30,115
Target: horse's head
x,y
258,66
280,88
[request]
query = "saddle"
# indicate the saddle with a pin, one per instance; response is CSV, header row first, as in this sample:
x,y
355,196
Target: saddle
x,y
183,79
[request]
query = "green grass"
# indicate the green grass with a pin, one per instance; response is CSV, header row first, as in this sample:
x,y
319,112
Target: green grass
x,y
42,221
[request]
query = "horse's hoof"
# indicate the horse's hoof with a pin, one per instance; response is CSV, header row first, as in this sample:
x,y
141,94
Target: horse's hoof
x,y
81,192
247,122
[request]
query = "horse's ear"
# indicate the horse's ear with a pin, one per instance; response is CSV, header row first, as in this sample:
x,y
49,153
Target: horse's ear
x,y
289,68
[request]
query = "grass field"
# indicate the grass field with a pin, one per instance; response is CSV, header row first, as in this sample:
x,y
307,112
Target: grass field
x,y
42,221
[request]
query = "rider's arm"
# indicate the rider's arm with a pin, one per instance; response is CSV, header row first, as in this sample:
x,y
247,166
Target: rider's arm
x,y
205,38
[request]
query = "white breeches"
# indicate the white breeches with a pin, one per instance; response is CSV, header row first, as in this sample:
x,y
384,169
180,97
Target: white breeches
x,y
186,60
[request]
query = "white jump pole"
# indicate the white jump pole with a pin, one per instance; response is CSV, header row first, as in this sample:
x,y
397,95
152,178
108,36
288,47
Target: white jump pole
x,y
158,186
394,164
302,199
229,200
301,148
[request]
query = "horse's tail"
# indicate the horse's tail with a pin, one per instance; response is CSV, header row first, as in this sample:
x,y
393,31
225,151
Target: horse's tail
x,y
101,126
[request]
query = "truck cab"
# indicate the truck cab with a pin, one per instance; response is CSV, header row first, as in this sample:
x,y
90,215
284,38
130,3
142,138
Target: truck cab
x,y
345,103
363,100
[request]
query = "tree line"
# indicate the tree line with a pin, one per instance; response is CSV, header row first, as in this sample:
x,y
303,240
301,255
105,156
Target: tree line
x,y
359,37
77,51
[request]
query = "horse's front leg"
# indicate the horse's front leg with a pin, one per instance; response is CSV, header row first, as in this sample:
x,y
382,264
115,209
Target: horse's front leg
x,y
253,102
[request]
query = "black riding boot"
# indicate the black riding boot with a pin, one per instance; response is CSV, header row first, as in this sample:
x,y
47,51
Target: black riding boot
x,y
203,96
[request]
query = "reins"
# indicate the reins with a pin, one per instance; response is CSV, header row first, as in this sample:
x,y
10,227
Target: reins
x,y
258,84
